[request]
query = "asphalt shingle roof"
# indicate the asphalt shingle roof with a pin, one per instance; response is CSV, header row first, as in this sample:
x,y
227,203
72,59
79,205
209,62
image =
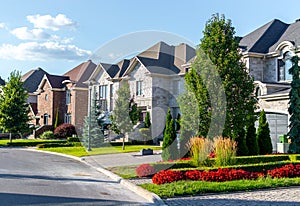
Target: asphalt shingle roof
x,y
32,79
266,38
56,81
2,82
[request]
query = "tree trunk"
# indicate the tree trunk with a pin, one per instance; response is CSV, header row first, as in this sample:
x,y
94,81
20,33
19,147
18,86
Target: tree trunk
x,y
123,145
10,137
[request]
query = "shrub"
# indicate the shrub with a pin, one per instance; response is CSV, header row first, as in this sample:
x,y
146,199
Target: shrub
x,y
47,135
50,145
169,147
73,139
225,150
263,135
200,148
65,130
145,170
251,140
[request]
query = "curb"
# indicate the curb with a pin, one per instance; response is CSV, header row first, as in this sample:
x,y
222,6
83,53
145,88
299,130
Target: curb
x,y
133,187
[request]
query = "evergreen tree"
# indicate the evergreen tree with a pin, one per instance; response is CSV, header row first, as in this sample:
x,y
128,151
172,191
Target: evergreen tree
x,y
220,44
14,109
121,118
169,148
177,128
251,140
263,135
147,120
294,107
134,112
92,134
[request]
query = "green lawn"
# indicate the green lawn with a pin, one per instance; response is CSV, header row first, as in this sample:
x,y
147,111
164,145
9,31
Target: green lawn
x,y
199,187
80,151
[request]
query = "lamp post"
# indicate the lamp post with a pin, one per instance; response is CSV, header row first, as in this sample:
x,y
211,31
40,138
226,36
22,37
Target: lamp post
x,y
90,114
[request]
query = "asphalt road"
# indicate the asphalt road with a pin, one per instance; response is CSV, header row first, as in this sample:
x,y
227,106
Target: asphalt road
x,y
34,178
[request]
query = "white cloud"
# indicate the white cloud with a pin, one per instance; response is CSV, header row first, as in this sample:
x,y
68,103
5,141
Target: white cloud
x,y
53,23
26,34
3,25
35,51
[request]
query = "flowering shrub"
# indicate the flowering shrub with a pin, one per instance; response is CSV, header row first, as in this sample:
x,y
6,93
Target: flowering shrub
x,y
225,174
167,176
145,170
65,130
289,170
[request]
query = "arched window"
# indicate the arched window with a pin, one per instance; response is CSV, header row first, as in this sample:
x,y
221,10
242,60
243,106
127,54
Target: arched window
x,y
283,67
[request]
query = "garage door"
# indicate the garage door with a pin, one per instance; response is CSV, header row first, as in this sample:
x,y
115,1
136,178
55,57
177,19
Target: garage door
x,y
278,124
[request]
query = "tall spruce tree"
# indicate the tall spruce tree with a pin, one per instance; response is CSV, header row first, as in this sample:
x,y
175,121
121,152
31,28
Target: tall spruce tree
x,y
169,147
92,134
147,120
222,47
251,139
14,109
294,107
263,135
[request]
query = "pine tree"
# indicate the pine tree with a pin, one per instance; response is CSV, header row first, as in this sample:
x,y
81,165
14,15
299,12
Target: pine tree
x,y
169,148
251,140
14,109
220,44
92,134
294,107
147,120
263,135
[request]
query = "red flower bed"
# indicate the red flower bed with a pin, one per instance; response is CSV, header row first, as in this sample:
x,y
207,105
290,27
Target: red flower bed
x,y
167,176
221,175
145,170
289,170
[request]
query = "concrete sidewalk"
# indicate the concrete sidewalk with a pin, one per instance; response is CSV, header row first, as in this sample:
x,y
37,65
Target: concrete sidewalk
x,y
122,159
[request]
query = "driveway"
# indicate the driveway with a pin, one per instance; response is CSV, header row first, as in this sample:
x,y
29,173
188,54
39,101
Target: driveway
x,y
34,178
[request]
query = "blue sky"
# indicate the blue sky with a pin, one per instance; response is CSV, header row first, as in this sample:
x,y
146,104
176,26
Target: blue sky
x,y
57,35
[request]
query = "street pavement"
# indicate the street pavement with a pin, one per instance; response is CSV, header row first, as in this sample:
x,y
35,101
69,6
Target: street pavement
x,y
35,178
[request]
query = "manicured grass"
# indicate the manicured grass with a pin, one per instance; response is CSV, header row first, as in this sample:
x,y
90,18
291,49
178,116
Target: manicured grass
x,y
27,142
74,151
80,151
125,172
199,187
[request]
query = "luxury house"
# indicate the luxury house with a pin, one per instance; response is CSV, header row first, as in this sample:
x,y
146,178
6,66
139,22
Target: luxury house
x,y
155,77
267,52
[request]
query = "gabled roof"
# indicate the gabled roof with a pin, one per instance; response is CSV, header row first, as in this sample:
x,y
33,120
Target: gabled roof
x,y
162,58
266,38
55,81
32,79
81,73
2,82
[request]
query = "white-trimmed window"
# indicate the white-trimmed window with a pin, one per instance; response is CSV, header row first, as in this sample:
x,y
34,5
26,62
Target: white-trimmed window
x,y
68,118
283,67
103,91
68,97
139,88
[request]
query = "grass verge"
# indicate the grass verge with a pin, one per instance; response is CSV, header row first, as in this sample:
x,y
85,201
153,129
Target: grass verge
x,y
182,188
80,151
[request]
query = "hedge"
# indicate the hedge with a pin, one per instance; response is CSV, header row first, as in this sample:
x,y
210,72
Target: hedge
x,y
33,143
50,145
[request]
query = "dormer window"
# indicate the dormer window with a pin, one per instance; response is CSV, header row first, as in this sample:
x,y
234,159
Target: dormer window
x,y
283,67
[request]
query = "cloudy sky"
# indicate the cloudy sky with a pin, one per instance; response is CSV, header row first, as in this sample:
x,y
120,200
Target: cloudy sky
x,y
57,35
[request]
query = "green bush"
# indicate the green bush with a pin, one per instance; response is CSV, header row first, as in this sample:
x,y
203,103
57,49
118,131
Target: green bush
x,y
263,135
173,165
294,157
73,139
47,135
261,159
50,145
33,143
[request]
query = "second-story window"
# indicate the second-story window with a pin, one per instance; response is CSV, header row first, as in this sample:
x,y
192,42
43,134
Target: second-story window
x,y
68,97
283,67
139,88
103,91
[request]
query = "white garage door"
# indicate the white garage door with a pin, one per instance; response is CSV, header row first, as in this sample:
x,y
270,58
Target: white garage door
x,y
278,124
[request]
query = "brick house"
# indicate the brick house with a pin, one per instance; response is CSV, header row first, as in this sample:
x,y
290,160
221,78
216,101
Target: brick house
x,y
266,53
77,94
155,78
31,81
51,100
